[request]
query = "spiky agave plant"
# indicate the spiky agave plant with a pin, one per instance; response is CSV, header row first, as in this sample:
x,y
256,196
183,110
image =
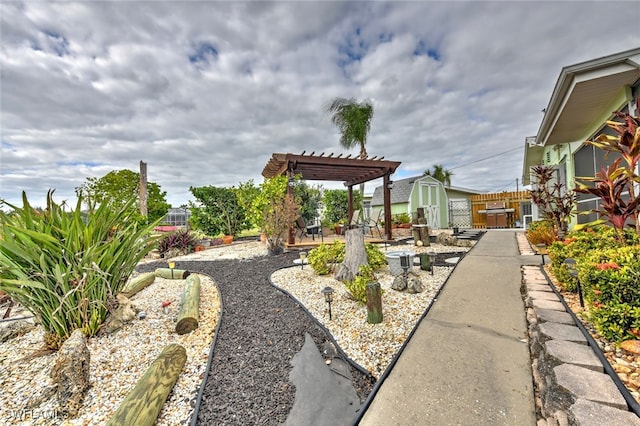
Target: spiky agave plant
x,y
67,266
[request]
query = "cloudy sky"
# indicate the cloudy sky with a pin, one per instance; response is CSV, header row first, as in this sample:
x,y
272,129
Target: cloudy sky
x,y
204,92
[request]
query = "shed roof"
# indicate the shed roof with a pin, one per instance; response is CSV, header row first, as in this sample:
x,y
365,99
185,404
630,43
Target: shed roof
x,y
402,188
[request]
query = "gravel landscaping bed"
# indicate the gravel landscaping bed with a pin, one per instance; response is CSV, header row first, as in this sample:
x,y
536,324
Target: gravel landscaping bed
x,y
261,330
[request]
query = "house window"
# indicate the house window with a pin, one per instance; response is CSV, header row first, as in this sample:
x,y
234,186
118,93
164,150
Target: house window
x,y
588,160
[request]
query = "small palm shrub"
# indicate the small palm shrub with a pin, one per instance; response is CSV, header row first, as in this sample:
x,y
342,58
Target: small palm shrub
x,y
67,267
182,240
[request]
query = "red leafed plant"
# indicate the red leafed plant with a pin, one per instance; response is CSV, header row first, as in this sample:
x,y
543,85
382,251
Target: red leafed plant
x,y
615,184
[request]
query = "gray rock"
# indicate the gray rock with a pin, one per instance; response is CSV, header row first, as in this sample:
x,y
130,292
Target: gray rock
x,y
71,373
14,329
415,285
399,283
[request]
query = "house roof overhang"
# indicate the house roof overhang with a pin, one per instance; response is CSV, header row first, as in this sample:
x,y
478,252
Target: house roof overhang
x,y
582,94
350,171
532,157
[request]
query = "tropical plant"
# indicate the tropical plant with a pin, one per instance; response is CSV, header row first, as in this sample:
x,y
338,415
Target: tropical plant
x,y
67,267
554,201
353,119
440,173
615,185
610,184
118,187
182,240
217,211
247,193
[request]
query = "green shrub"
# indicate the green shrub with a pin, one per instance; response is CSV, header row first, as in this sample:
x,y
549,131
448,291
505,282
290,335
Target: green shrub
x,y
376,258
541,232
67,267
616,322
325,256
357,287
578,244
611,284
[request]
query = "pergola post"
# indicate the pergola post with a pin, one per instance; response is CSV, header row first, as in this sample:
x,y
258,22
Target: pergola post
x,y
292,230
350,204
387,207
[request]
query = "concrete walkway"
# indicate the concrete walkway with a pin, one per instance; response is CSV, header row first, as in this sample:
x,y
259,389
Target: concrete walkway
x,y
468,362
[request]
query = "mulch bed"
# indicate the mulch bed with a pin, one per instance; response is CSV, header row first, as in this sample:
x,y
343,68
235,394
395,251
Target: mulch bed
x,y
260,331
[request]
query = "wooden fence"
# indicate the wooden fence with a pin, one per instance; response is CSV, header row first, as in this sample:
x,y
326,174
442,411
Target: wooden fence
x,y
511,200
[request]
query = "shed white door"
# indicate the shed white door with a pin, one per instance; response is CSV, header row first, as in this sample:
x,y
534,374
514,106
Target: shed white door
x,y
429,200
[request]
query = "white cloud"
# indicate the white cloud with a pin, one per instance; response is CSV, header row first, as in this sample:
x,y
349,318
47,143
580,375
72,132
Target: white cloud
x,y
205,92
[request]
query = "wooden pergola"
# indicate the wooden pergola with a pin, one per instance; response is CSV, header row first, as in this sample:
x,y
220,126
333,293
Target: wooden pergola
x,y
350,171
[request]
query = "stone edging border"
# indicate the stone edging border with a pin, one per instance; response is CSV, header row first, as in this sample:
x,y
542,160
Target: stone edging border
x,y
571,385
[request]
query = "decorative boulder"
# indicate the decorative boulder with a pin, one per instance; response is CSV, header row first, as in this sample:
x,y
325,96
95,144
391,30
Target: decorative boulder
x,y
70,373
399,283
446,239
14,329
414,285
124,313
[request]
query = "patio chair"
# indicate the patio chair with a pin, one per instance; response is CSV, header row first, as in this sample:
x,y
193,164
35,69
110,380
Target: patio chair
x,y
371,223
305,229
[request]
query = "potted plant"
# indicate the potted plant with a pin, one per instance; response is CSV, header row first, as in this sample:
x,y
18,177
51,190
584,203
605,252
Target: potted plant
x,y
279,216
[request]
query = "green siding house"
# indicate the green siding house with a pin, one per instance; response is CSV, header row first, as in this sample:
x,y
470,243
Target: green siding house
x,y
585,96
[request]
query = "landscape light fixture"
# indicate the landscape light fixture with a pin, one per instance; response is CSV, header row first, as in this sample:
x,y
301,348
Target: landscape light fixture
x,y
541,247
572,269
390,184
328,297
171,266
303,256
405,259
432,260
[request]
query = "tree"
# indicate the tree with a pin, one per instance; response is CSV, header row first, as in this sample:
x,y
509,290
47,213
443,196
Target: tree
x,y
353,119
335,203
440,173
217,211
118,187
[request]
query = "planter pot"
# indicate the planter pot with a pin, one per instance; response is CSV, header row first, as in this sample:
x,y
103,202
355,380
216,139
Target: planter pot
x,y
227,239
393,259
199,248
263,237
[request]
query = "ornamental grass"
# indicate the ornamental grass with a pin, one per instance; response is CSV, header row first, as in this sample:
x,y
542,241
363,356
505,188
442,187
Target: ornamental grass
x,y
66,267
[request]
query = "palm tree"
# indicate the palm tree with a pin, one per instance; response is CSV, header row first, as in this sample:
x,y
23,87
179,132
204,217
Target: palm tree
x,y
353,119
440,173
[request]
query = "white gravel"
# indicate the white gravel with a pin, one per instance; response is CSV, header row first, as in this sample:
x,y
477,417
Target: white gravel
x,y
119,360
